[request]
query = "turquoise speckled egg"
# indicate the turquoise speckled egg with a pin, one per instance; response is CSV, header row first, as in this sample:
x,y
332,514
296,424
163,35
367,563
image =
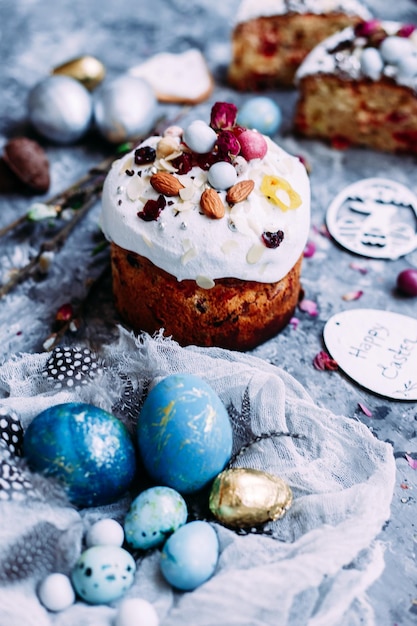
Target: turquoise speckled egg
x,y
103,574
189,557
89,450
260,113
154,515
184,433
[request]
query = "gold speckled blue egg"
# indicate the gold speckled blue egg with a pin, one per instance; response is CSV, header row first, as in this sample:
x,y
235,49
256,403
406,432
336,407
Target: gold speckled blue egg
x,y
86,448
184,433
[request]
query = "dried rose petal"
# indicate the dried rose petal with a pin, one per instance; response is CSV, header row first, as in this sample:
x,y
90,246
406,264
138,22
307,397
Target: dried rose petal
x,y
227,144
294,322
406,30
308,306
365,29
411,462
322,361
352,295
309,250
358,268
223,115
365,409
64,313
183,163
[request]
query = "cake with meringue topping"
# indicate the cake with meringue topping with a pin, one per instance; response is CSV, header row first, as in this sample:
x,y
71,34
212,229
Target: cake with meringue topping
x,y
359,87
270,38
207,226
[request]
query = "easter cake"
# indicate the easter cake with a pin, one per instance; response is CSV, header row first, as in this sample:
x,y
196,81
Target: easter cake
x,y
270,38
207,225
359,87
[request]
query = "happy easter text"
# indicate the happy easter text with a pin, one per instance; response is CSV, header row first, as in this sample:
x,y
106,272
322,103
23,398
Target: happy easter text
x,y
396,358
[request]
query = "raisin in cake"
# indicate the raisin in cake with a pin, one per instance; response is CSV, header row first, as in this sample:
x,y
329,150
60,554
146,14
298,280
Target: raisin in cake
x,y
272,37
207,226
360,87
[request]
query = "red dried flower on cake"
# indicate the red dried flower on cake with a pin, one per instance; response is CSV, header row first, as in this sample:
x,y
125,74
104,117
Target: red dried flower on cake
x,y
406,30
227,145
223,115
368,28
183,163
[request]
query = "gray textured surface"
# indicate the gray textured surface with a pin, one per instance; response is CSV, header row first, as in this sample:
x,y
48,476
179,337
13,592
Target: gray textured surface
x,y
35,36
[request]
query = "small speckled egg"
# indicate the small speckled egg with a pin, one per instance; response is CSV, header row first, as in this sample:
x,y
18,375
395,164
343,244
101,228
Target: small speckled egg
x,y
56,592
222,175
105,532
103,574
199,137
189,557
124,108
89,450
371,63
262,114
154,515
136,612
184,433
60,108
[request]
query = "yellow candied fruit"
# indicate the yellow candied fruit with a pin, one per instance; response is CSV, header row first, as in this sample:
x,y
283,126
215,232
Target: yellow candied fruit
x,y
272,184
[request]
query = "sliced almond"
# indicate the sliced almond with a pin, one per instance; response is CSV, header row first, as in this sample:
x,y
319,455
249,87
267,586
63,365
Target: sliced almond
x,y
211,204
166,183
240,191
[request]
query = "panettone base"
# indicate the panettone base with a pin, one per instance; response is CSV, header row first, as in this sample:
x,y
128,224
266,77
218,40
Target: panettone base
x,y
267,51
234,314
378,114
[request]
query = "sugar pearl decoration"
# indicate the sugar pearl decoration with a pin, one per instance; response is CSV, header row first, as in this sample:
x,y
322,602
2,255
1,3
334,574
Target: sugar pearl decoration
x,y
106,532
222,175
199,137
60,109
124,108
56,592
136,612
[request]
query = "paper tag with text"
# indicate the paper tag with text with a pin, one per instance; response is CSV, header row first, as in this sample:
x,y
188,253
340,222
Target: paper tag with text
x,y
377,349
374,217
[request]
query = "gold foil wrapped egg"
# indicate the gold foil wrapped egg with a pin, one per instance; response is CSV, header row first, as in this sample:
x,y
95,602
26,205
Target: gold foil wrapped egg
x,y
86,69
243,497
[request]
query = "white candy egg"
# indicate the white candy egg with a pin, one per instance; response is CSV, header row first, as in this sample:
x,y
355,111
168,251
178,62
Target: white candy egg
x,y
124,108
222,175
60,109
106,532
371,63
393,48
56,592
407,67
136,612
200,137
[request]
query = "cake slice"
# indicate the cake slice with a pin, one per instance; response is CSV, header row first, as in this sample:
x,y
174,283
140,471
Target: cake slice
x,y
359,87
271,38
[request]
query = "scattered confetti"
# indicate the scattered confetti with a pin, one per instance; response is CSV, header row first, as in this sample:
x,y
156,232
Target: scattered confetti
x,y
352,295
294,322
308,306
322,361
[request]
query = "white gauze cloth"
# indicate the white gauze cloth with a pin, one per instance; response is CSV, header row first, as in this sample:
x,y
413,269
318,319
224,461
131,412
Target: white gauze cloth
x,y
314,566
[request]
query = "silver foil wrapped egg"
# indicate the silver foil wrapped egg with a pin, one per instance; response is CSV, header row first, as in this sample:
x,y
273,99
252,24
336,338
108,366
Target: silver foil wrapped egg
x,y
243,497
60,109
124,108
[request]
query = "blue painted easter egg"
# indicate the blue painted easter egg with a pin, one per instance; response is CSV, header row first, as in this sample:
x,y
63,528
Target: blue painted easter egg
x,y
189,557
103,574
154,515
89,450
262,114
184,433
